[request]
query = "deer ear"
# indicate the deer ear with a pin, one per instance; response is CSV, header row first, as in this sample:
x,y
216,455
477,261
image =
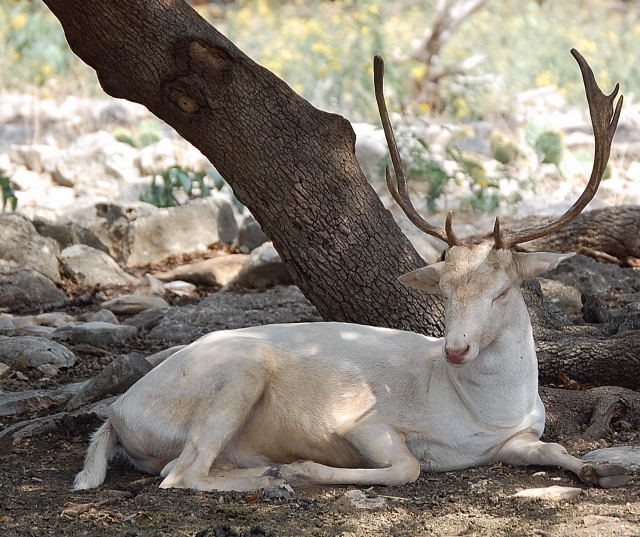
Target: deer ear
x,y
536,263
426,278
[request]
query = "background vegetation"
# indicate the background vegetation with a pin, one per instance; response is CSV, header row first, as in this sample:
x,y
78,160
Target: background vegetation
x,y
324,49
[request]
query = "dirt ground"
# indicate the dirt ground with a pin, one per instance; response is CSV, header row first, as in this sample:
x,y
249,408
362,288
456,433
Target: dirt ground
x,y
36,475
36,500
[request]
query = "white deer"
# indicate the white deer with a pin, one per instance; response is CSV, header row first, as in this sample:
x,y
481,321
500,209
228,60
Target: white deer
x,y
338,403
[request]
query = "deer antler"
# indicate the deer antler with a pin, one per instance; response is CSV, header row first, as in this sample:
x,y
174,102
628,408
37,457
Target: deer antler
x,y
604,120
400,192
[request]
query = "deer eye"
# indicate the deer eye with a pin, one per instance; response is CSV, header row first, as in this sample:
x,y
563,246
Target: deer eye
x,y
502,295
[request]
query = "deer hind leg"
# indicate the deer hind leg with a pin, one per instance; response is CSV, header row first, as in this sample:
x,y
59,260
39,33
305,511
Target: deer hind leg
x,y
384,451
524,450
210,432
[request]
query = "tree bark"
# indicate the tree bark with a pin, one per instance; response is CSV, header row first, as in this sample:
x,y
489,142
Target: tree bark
x,y
609,234
291,164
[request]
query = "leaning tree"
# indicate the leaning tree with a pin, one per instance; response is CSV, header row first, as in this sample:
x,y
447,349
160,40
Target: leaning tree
x,y
294,167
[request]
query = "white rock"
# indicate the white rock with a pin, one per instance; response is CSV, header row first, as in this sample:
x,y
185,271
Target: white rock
x,y
189,228
21,243
48,370
5,370
554,492
131,304
90,267
356,499
180,288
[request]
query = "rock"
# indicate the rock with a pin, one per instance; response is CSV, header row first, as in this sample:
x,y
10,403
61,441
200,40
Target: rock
x,y
150,285
96,164
566,297
114,379
371,151
353,500
53,318
5,370
22,243
28,289
90,267
69,234
31,427
31,401
214,272
169,152
37,330
95,333
224,310
263,269
36,157
162,355
627,456
103,316
132,304
189,228
48,370
6,323
180,288
23,352
554,492
250,235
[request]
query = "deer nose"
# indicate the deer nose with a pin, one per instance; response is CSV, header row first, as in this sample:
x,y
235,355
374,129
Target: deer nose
x,y
456,356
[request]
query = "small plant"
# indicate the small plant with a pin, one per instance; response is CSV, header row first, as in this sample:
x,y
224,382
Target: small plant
x,y
484,196
8,194
148,132
549,145
504,150
422,167
166,183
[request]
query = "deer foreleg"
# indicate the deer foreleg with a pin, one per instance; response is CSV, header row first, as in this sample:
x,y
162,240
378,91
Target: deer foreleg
x,y
525,450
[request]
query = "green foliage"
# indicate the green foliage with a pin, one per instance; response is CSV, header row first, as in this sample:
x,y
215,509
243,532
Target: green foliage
x,y
8,194
484,196
549,144
148,132
504,150
32,45
165,185
422,168
161,191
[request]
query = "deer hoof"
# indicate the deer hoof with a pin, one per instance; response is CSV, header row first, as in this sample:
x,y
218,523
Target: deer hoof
x,y
605,475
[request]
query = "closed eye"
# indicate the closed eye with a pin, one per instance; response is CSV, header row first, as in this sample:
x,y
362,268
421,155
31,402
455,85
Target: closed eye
x,y
502,295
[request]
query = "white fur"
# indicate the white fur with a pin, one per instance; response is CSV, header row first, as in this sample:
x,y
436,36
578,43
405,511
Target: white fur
x,y
339,403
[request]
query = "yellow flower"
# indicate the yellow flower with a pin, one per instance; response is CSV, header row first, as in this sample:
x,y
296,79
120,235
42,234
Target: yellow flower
x,y
545,78
19,21
418,72
46,70
243,16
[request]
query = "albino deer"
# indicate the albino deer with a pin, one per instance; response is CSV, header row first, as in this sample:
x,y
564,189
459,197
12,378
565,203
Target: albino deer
x,y
338,403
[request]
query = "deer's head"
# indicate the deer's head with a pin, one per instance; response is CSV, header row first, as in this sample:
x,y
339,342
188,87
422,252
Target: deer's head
x,y
481,282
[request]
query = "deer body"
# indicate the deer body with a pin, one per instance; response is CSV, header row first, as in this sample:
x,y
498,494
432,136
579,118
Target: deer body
x,y
237,409
338,403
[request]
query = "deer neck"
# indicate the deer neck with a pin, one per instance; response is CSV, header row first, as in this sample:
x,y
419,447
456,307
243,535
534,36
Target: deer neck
x,y
500,387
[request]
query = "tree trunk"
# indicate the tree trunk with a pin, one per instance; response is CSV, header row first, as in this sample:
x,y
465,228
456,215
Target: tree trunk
x,y
609,234
291,164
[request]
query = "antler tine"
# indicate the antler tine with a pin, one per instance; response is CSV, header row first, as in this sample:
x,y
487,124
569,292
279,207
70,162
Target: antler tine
x,y
604,120
398,188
